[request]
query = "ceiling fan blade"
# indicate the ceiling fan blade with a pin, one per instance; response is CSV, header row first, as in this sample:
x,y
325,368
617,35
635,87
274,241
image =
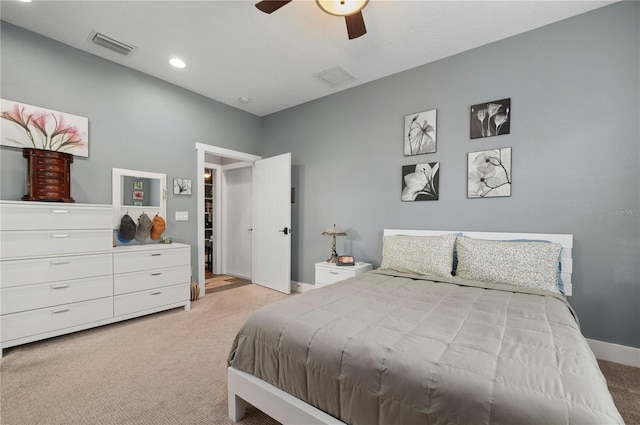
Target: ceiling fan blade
x,y
355,25
270,6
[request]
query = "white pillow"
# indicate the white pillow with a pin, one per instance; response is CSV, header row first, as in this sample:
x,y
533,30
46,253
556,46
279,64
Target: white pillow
x,y
529,264
424,255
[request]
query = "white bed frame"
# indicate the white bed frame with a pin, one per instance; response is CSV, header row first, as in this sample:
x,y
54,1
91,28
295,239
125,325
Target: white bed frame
x,y
243,388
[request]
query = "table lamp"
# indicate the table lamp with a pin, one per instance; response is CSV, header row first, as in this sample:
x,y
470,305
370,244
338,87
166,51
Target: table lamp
x,y
334,231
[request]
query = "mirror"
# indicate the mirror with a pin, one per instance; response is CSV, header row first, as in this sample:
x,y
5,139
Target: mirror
x,y
136,192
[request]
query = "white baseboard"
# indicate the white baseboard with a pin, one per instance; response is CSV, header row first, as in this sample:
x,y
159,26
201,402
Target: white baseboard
x,y
301,287
622,354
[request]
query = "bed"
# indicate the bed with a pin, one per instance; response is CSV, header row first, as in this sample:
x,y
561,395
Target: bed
x,y
454,328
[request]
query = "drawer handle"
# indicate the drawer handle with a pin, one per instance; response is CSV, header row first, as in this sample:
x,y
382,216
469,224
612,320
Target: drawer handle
x,y
59,211
155,293
332,272
59,263
54,287
59,235
155,274
156,254
66,310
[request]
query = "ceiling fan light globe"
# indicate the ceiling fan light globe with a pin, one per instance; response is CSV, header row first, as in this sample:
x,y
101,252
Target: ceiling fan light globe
x,y
342,7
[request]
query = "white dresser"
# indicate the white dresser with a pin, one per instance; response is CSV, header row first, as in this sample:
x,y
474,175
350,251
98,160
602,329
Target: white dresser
x,y
328,273
57,272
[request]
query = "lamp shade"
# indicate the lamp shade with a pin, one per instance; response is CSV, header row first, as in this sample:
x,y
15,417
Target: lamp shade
x,y
342,7
334,231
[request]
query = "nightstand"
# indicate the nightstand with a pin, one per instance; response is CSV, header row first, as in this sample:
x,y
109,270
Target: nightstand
x,y
328,273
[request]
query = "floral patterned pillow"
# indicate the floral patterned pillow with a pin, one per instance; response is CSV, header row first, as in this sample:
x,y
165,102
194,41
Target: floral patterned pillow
x,y
529,264
424,255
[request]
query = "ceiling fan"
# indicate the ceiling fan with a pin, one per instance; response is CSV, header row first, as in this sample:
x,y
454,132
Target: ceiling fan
x,y
350,9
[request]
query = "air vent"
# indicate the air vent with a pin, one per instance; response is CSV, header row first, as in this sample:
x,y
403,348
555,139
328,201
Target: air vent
x,y
111,44
334,76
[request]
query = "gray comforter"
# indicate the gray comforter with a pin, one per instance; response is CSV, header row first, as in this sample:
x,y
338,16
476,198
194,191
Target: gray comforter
x,y
383,349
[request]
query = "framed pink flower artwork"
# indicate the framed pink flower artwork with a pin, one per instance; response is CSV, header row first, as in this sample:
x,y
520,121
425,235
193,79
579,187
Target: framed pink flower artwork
x,y
28,126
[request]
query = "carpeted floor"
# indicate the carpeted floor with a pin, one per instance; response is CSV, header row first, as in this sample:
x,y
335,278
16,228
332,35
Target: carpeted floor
x,y
163,369
167,368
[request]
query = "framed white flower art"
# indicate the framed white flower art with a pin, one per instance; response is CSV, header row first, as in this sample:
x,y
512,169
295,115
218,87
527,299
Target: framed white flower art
x,y
420,133
490,119
489,173
420,182
182,186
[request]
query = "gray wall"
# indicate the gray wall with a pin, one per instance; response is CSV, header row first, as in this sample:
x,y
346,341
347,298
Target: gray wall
x,y
135,122
574,89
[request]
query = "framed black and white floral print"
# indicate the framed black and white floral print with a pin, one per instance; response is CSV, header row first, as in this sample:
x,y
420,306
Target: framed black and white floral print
x,y
489,173
182,186
420,133
490,119
420,182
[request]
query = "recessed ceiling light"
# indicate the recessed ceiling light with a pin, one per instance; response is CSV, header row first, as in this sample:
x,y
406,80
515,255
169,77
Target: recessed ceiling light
x,y
178,63
244,99
26,1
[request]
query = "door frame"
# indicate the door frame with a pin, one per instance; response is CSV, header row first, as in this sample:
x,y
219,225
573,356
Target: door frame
x,y
218,199
201,150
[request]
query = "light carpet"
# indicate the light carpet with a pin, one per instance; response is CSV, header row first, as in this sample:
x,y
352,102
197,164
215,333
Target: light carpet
x,y
166,368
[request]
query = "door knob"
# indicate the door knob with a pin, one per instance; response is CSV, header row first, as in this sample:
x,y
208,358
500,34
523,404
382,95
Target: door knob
x,y
286,230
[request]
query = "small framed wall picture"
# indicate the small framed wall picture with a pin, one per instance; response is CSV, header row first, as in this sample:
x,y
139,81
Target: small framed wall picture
x,y
420,133
182,186
489,173
420,182
138,195
490,119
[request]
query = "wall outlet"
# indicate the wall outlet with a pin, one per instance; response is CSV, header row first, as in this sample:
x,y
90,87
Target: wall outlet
x,y
182,215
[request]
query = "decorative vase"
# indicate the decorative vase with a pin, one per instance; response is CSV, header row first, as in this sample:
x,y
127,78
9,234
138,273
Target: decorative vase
x,y
49,175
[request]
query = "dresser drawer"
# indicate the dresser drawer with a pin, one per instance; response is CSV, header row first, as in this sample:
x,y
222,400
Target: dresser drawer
x,y
31,297
149,279
54,269
34,243
145,300
33,322
124,262
41,215
328,276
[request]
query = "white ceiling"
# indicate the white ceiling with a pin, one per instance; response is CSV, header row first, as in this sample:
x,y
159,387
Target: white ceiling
x,y
233,50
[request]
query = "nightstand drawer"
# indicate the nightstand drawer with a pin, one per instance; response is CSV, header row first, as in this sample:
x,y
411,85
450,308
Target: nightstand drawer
x,y
328,276
328,273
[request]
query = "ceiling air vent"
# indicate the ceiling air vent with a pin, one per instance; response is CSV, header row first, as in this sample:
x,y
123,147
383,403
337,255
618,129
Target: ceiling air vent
x,y
334,76
111,44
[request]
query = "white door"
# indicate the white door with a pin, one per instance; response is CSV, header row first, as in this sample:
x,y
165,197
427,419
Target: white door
x,y
238,218
272,222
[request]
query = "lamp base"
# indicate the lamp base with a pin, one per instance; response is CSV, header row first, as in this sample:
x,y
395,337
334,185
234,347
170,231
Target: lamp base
x,y
333,259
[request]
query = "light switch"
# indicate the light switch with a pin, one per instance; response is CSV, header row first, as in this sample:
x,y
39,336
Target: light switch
x,y
182,215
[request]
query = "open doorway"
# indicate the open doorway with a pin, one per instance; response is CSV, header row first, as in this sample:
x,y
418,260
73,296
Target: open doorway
x,y
270,214
222,233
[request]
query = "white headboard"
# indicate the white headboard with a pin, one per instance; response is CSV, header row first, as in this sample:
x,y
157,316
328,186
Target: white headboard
x,y
566,240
